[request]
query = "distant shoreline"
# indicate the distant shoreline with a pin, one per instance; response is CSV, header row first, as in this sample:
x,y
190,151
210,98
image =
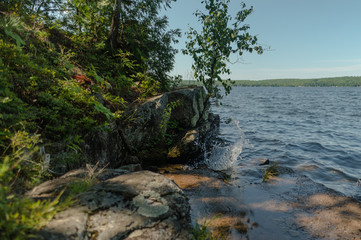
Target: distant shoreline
x,y
316,82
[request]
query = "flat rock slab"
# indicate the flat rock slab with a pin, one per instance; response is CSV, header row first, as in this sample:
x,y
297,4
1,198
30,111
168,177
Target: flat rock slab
x,y
139,205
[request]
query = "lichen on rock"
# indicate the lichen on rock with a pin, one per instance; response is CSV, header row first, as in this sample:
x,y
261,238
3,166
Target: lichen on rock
x,y
138,205
150,204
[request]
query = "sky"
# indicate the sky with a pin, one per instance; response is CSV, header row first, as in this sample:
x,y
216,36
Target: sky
x,y
306,38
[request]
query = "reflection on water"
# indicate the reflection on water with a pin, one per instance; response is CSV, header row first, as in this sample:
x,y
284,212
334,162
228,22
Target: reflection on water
x,y
289,206
215,204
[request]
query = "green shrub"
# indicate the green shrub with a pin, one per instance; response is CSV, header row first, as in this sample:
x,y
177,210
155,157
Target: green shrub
x,y
21,168
21,217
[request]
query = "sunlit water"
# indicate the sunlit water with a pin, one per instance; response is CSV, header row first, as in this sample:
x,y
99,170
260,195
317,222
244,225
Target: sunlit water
x,y
314,131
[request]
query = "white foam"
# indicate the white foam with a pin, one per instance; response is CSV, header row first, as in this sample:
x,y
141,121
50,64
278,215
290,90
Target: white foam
x,y
225,157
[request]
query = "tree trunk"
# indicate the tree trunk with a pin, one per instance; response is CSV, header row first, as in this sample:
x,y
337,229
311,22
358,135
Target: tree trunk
x,y
211,80
114,28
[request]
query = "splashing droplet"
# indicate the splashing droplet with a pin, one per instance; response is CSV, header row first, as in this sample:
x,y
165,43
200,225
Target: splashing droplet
x,y
226,156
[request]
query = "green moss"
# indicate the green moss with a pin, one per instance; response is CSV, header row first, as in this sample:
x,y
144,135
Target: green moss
x,y
271,171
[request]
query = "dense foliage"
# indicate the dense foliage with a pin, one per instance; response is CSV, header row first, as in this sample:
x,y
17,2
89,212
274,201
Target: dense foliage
x,y
321,82
61,72
68,68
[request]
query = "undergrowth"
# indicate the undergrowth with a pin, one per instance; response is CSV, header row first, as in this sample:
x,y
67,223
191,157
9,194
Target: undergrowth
x,y
21,168
41,103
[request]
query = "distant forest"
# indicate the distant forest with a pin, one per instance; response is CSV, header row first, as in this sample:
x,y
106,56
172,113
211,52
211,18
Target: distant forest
x,y
317,82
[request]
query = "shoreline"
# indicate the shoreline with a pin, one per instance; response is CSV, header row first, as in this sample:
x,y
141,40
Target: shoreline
x,y
289,206
233,204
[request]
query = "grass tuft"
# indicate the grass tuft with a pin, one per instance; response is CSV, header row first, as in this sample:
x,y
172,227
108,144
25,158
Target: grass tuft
x,y
271,171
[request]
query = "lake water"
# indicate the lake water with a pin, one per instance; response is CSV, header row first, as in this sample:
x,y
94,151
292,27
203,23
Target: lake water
x,y
314,131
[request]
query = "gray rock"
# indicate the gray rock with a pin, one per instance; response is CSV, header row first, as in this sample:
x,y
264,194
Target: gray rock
x,y
106,147
142,138
265,162
165,230
69,224
189,145
191,109
140,205
195,141
147,118
51,188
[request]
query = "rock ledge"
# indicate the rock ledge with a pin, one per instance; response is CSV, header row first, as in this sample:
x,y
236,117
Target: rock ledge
x,y
139,205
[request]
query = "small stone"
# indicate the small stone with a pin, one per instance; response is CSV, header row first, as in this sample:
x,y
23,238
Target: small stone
x,y
266,162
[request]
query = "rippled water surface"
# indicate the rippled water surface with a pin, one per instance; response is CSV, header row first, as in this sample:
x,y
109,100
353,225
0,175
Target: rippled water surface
x,y
315,131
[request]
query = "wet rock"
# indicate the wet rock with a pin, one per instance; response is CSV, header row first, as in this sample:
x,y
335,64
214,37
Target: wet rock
x,y
195,141
139,205
265,162
259,162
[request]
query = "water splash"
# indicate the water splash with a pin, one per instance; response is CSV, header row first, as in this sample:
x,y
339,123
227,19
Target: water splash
x,y
224,156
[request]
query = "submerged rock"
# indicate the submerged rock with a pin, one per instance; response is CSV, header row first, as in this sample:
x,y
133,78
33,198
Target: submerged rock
x,y
140,205
265,162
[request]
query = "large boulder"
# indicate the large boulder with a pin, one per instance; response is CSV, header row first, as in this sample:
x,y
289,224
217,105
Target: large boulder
x,y
139,205
150,117
178,120
107,147
144,127
195,141
193,107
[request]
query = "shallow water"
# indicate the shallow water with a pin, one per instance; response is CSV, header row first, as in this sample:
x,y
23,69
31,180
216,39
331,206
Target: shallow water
x,y
314,131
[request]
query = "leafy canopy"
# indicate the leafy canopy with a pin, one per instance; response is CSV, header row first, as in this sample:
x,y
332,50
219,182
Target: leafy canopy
x,y
61,79
221,36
